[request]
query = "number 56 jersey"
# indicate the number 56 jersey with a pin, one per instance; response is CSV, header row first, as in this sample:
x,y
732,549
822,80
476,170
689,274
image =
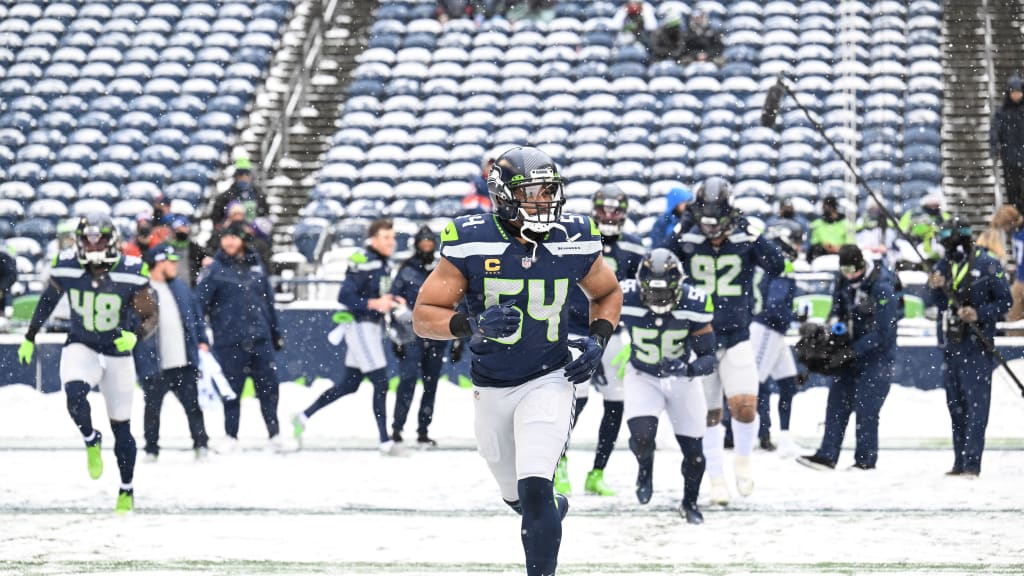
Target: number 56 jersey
x,y
499,269
100,307
658,339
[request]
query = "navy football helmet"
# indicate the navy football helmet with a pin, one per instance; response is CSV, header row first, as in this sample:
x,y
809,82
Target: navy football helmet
x,y
713,207
97,240
788,235
660,278
610,209
526,189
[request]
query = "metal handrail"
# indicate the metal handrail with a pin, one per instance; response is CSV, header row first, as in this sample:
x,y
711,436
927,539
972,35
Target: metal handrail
x,y
275,143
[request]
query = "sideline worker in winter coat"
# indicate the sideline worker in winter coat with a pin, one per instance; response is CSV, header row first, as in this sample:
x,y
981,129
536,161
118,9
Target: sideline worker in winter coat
x,y
170,360
234,291
1006,140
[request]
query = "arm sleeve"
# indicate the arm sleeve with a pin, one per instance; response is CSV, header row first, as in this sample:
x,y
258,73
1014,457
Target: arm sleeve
x,y
886,311
47,303
205,293
769,257
935,296
999,298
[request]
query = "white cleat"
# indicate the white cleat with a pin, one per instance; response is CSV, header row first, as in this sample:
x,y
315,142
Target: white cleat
x,y
150,458
226,445
202,453
744,475
277,445
719,492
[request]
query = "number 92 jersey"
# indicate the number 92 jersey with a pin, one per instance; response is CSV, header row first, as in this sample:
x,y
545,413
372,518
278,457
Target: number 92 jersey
x,y
499,269
100,307
726,275
658,339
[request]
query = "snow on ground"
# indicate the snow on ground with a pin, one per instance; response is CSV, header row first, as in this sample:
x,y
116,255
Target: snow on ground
x,y
338,507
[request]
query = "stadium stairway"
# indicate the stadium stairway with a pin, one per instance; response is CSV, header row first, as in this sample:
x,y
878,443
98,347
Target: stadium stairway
x,y
983,46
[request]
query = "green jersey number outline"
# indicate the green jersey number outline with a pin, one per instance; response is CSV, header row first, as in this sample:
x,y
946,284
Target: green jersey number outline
x,y
647,350
536,290
705,269
100,312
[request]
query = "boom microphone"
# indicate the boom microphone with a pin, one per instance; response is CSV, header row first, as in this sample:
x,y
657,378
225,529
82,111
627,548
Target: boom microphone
x,y
772,103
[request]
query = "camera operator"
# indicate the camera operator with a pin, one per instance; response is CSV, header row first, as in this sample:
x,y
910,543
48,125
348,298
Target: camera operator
x,y
968,287
862,356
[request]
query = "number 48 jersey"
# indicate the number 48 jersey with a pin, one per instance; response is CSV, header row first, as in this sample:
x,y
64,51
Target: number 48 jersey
x,y
499,269
100,307
726,274
658,339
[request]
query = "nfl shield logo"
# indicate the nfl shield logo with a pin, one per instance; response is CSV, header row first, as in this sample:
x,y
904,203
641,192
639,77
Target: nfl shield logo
x,y
527,262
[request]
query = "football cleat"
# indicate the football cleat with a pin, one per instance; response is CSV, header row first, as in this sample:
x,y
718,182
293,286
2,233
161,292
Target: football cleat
x,y
816,462
719,492
94,456
125,502
691,513
595,484
562,484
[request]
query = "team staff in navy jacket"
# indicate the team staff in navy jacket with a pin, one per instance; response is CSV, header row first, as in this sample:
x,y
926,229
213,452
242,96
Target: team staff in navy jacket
x,y
234,291
170,360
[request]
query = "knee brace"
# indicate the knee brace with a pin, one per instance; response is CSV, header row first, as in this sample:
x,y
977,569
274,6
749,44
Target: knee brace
x,y
642,433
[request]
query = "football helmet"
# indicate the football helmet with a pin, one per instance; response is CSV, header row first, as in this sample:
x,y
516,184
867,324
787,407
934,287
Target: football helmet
x,y
610,208
660,278
713,207
788,235
97,240
526,189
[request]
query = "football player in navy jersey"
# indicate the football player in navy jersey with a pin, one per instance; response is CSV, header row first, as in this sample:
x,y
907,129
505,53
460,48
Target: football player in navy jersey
x,y
103,286
622,253
721,254
515,268
672,346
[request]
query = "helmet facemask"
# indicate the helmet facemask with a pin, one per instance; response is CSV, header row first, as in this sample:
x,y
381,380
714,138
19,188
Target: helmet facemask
x,y
610,216
660,277
97,244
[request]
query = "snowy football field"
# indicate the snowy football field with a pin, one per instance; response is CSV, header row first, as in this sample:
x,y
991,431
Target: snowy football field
x,y
338,507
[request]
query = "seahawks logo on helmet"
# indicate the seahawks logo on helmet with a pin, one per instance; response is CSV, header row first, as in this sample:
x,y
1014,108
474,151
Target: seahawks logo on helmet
x,y
97,241
526,189
660,278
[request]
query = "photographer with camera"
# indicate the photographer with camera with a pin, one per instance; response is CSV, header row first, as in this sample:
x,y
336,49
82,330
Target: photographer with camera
x,y
860,355
969,288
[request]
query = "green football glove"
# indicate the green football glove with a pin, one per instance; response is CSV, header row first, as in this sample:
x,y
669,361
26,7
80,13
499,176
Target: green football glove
x,y
26,351
126,341
342,317
621,360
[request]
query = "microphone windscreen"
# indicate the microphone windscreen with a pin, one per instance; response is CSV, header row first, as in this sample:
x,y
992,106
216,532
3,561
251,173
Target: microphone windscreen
x,y
772,104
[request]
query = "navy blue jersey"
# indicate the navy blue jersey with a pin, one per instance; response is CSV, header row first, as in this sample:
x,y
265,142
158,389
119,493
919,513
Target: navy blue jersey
x,y
100,307
658,339
623,255
726,274
500,269
368,276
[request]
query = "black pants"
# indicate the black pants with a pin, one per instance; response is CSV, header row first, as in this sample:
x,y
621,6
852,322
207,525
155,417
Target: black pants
x,y
1013,177
422,359
183,383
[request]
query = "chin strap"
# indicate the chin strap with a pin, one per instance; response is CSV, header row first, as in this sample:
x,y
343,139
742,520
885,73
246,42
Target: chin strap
x,y
525,229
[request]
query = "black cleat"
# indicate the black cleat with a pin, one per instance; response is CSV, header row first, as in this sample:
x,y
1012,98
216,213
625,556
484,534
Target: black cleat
x,y
396,436
425,441
645,483
816,462
562,503
766,444
691,512
955,472
859,466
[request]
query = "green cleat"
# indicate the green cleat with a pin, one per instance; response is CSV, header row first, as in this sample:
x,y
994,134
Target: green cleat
x,y
94,457
298,428
125,502
562,485
595,484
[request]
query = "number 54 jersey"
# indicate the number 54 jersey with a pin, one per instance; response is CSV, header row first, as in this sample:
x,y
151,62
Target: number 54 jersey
x,y
100,307
659,339
499,269
726,274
